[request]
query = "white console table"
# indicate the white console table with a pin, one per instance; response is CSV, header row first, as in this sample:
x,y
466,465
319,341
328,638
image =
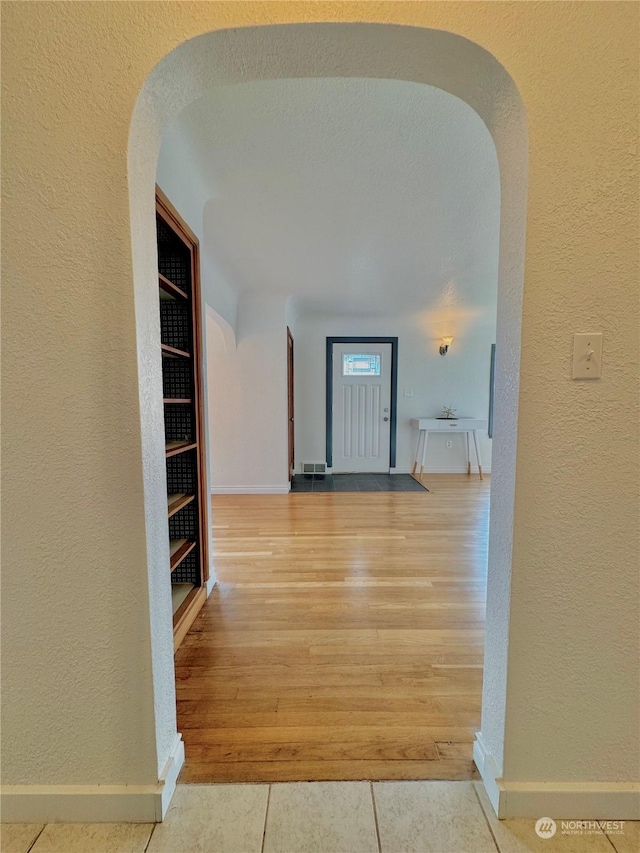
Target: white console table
x,y
468,426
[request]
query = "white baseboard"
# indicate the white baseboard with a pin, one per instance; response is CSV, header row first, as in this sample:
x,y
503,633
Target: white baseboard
x,y
460,469
170,772
408,469
488,769
251,490
563,800
94,803
572,800
210,585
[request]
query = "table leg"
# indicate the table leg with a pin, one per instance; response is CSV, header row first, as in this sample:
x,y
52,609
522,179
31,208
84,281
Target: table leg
x,y
417,456
424,452
468,453
475,441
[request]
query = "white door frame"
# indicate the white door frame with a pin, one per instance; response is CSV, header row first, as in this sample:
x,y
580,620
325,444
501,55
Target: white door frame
x,y
394,392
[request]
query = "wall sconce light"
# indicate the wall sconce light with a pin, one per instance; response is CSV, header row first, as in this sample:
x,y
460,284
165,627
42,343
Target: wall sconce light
x,y
444,346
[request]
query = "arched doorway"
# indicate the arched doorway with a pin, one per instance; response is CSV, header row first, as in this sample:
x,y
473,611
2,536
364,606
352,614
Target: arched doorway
x,y
436,58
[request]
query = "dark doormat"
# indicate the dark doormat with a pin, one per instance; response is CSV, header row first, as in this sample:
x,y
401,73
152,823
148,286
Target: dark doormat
x,y
356,483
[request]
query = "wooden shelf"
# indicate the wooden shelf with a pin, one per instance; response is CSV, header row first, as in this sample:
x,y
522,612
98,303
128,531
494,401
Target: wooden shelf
x,y
171,448
179,593
176,502
172,352
169,289
186,612
178,550
180,313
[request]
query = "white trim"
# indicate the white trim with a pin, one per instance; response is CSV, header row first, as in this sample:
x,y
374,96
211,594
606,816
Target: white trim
x,y
571,800
251,490
169,775
210,584
408,469
488,769
461,469
564,800
94,803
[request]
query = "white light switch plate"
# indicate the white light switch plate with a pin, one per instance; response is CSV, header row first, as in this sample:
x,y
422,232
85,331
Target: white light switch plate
x,y
587,355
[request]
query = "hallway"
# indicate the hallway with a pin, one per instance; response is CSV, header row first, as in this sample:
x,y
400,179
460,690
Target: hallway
x,y
343,640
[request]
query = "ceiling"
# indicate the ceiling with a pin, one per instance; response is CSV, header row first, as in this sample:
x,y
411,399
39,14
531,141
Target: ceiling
x,y
352,195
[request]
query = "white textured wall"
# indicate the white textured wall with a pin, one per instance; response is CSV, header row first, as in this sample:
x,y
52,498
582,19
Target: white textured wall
x,y
84,700
461,379
247,399
77,686
573,697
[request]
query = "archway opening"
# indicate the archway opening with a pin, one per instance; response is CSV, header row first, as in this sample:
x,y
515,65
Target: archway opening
x,y
439,59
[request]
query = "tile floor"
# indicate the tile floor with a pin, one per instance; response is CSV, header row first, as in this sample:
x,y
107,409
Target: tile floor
x,y
323,817
356,483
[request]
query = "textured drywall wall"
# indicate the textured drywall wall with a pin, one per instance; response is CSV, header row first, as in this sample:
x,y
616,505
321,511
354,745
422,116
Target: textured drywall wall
x,y
460,379
79,708
77,681
247,388
573,696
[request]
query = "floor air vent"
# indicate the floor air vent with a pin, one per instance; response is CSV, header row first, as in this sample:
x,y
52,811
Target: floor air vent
x,y
314,467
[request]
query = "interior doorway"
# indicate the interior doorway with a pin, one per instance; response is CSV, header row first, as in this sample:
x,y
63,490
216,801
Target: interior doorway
x,y
421,56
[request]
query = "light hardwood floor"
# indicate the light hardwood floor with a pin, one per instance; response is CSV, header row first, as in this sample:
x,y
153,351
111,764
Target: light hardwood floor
x,y
344,638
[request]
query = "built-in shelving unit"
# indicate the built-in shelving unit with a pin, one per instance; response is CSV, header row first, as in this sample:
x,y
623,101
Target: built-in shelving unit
x,y
179,305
